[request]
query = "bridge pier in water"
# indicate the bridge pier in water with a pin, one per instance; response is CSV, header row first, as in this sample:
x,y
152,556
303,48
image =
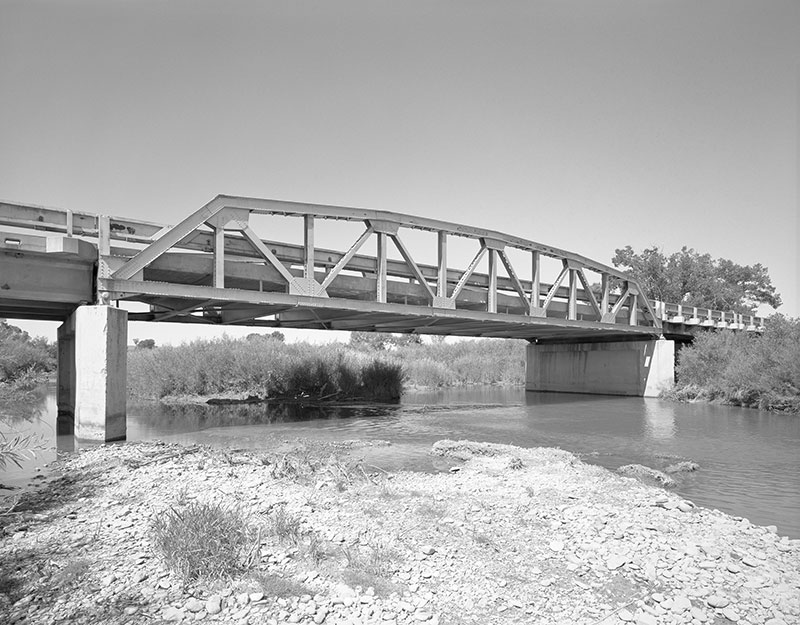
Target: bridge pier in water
x,y
92,373
640,368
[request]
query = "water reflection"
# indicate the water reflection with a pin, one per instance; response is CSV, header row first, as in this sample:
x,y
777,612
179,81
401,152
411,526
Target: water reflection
x,y
659,419
174,418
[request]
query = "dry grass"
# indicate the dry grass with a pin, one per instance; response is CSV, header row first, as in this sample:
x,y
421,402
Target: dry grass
x,y
204,540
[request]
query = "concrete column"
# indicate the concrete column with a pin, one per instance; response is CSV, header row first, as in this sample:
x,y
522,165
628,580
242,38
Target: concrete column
x,y
101,337
638,368
65,391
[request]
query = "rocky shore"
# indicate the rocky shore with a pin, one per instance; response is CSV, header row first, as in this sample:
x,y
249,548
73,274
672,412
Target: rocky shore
x,y
509,535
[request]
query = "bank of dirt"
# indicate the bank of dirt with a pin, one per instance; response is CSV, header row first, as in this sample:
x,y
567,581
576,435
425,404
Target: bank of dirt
x,y
510,535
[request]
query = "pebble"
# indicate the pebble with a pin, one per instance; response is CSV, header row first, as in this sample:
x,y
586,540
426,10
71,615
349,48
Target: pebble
x,y
646,619
625,615
556,545
194,605
214,604
171,613
715,601
681,604
615,562
698,614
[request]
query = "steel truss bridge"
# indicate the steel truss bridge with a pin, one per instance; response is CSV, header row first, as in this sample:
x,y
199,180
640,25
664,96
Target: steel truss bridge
x,y
216,267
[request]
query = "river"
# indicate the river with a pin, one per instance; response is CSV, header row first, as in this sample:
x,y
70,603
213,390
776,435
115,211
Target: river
x,y
749,460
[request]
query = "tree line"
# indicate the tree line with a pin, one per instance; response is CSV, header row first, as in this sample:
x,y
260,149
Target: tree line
x,y
693,279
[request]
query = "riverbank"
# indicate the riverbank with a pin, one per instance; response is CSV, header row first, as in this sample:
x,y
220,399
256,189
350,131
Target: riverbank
x,y
509,536
264,367
743,369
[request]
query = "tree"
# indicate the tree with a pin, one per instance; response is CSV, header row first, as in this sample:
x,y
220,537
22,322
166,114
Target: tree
x,y
144,343
273,336
693,279
379,341
22,356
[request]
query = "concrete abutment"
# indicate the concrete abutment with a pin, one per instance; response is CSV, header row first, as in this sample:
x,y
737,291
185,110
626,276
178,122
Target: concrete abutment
x,y
642,368
92,373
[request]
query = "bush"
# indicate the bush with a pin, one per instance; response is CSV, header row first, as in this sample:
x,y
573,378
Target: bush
x,y
263,368
24,362
204,540
267,367
743,369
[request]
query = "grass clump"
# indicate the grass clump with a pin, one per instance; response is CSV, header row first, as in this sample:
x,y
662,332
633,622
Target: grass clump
x,y
286,526
370,566
274,586
204,540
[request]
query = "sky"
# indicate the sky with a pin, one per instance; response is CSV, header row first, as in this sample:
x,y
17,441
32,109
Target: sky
x,y
585,125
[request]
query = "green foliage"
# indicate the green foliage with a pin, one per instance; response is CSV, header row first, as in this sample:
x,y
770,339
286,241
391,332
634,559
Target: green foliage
x,y
262,367
144,343
380,341
758,371
480,361
18,449
265,367
204,540
694,279
24,361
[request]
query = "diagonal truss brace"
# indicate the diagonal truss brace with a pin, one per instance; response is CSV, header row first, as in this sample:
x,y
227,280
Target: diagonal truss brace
x,y
168,240
412,265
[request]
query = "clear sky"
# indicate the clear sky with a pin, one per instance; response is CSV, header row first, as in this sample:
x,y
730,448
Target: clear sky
x,y
586,125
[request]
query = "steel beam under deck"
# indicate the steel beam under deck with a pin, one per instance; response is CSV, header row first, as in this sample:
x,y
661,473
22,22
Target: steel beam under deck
x,y
466,322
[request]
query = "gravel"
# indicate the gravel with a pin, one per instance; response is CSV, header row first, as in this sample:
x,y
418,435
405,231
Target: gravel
x,y
514,536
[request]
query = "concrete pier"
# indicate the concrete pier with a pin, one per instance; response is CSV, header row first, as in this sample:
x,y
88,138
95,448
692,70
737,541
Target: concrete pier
x,y
637,368
92,373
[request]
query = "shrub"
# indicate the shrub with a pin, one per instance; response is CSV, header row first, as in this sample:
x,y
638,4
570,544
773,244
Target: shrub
x,y
265,368
18,449
382,380
758,371
204,540
24,361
